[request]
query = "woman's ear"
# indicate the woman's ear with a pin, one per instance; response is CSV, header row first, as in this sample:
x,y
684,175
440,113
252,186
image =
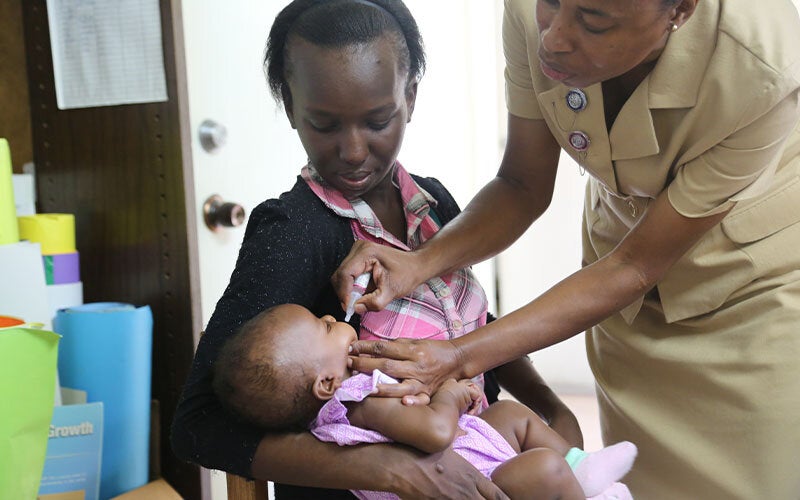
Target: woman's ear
x,y
411,98
325,386
287,107
682,11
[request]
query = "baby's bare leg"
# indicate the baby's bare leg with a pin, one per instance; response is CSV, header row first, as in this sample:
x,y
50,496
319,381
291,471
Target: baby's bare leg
x,y
538,474
524,431
523,428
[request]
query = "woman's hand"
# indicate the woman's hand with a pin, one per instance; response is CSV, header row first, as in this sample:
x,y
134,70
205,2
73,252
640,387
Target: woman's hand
x,y
445,475
392,275
423,365
300,458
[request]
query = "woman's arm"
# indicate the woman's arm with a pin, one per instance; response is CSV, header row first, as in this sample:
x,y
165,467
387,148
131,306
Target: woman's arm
x,y
403,470
494,219
573,305
520,378
591,294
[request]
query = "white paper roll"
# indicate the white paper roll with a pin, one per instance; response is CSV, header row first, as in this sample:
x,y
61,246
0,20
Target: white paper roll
x,y
23,291
64,295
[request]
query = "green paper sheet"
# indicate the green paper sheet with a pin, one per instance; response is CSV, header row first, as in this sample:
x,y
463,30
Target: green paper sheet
x,y
28,358
9,231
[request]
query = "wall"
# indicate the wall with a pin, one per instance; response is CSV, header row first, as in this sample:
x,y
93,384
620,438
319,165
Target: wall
x,y
15,121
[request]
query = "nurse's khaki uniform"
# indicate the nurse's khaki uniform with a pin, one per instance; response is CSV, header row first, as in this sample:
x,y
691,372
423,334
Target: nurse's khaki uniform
x,y
702,373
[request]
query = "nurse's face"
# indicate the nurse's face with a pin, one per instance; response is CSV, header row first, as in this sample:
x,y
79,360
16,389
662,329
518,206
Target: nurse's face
x,y
583,42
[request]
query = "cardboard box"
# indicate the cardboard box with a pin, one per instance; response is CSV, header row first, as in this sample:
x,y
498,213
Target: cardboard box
x,y
155,490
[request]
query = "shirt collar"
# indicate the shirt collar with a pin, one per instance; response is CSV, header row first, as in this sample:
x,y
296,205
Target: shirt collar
x,y
675,80
416,201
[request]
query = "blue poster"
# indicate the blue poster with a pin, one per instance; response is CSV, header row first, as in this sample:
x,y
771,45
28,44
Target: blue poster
x,y
106,350
74,452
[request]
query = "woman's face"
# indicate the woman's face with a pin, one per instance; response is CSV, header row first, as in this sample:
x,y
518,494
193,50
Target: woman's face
x,y
583,42
350,107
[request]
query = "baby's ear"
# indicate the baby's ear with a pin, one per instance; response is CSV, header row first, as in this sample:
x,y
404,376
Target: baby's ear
x,y
325,386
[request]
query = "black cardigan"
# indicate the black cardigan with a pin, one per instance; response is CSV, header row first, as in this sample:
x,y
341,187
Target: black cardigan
x,y
291,247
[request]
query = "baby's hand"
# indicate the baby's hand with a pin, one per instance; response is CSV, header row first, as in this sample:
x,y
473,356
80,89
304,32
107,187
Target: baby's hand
x,y
460,391
475,394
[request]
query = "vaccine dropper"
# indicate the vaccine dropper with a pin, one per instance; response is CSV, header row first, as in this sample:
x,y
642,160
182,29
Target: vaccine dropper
x,y
359,287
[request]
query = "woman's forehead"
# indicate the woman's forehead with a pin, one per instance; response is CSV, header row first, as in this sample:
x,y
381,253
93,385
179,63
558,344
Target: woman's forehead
x,y
618,9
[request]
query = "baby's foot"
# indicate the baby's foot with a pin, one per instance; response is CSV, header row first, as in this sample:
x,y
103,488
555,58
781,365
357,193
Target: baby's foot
x,y
602,468
616,491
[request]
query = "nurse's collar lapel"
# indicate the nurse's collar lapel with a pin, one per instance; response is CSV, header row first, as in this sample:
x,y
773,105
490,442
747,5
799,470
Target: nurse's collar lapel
x,y
674,83
633,134
675,80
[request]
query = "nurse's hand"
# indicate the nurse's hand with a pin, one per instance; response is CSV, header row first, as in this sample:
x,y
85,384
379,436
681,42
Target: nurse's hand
x,y
423,365
393,275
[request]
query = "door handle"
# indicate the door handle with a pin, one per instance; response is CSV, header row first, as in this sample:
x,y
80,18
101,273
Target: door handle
x,y
212,135
218,213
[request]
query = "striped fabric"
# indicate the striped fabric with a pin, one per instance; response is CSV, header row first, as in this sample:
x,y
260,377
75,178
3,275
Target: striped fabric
x,y
442,308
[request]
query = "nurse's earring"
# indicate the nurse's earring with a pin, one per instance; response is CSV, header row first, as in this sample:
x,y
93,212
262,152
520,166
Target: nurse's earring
x,y
673,27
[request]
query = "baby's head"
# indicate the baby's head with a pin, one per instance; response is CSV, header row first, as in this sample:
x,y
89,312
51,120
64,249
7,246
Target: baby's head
x,y
281,366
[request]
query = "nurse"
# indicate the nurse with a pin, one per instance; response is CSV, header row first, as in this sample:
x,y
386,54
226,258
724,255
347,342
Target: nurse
x,y
685,115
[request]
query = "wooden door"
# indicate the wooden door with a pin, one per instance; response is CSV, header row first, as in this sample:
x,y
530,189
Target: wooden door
x,y
125,174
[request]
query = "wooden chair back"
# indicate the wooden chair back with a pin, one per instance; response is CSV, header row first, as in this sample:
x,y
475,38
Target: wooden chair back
x,y
240,488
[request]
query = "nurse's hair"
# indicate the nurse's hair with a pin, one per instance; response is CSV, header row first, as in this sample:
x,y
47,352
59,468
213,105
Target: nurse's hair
x,y
336,24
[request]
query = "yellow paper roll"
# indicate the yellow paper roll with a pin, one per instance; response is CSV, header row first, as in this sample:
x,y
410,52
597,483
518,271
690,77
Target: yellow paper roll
x,y
54,232
8,211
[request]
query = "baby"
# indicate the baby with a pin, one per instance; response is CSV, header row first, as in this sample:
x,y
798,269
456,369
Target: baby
x,y
286,369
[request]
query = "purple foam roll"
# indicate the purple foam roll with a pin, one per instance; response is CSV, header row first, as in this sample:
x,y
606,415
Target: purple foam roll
x,y
62,268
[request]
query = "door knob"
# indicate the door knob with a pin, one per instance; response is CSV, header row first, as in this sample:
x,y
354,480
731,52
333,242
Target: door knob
x,y
213,135
218,213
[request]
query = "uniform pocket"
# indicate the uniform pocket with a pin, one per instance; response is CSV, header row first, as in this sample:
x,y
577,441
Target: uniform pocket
x,y
766,216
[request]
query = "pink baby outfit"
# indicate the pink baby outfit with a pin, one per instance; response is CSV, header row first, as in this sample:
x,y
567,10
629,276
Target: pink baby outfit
x,y
482,445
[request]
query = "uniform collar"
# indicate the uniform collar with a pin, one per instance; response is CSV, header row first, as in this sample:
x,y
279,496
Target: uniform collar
x,y
675,81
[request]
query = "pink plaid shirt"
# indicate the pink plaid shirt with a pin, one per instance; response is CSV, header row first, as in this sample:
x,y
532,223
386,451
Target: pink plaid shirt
x,y
442,308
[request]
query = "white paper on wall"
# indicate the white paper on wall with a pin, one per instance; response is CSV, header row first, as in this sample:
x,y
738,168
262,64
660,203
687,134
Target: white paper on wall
x,y
106,53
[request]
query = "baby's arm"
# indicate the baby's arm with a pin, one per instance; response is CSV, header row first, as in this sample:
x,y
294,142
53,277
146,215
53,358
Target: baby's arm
x,y
430,428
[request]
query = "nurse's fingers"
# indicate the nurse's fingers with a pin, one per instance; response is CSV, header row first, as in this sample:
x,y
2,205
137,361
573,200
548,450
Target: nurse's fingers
x,y
398,349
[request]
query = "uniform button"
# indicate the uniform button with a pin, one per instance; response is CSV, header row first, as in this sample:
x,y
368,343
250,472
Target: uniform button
x,y
579,141
457,324
445,292
632,208
576,100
